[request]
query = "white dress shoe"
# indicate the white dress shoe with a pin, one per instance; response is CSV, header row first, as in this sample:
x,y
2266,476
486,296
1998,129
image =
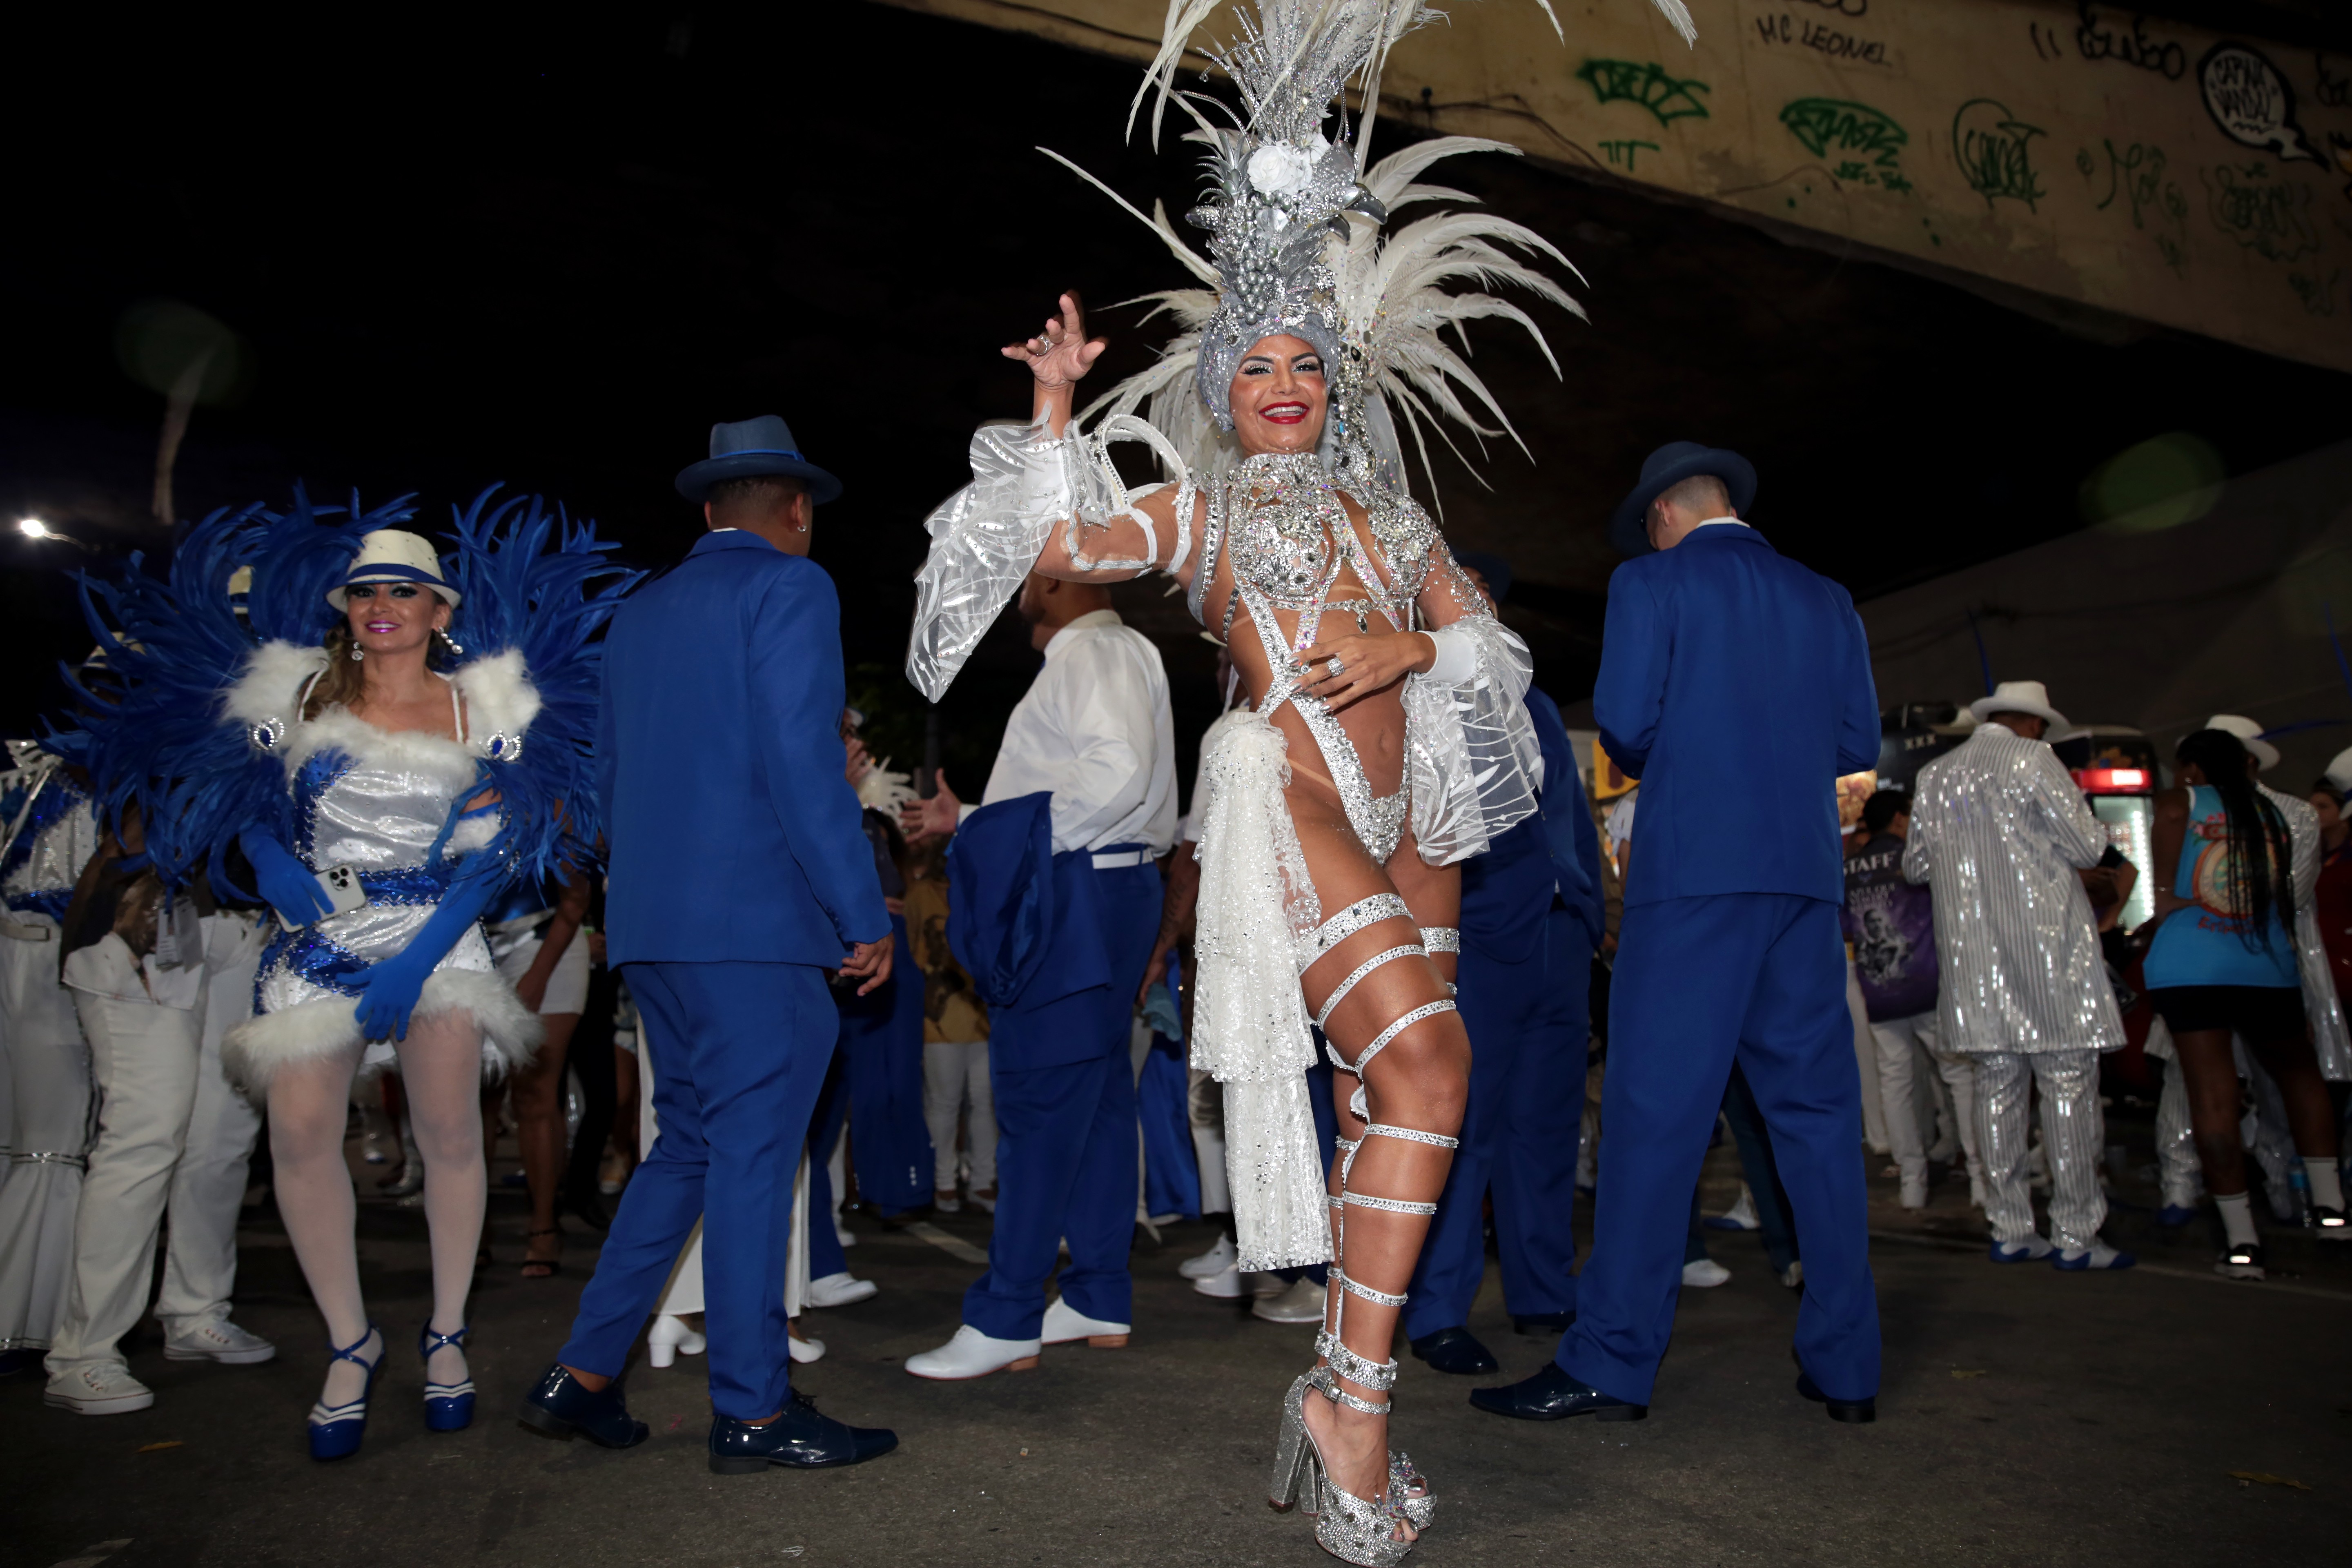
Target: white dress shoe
x,y
1225,1285
1064,1324
217,1339
100,1388
974,1354
1301,1302
806,1351
1793,1275
840,1289
1705,1273
1914,1195
668,1336
1216,1260
948,1205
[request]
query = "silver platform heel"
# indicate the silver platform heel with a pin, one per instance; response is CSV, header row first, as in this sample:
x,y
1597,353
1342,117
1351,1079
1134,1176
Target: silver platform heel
x,y
1355,1529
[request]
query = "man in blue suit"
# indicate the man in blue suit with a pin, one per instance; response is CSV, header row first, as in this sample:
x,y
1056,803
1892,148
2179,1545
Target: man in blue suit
x,y
740,879
1736,685
1531,917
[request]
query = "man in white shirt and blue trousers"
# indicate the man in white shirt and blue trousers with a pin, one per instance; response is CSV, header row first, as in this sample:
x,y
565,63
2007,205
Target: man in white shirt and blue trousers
x,y
1720,654
1054,901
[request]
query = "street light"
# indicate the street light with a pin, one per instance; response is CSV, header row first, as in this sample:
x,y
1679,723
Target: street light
x,y
33,528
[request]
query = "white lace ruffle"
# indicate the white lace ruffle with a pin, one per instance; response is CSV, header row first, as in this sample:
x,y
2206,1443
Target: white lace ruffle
x,y
1476,766
1250,1025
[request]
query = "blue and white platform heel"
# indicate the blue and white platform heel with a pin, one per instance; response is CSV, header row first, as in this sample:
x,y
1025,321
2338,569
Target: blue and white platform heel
x,y
336,1430
448,1406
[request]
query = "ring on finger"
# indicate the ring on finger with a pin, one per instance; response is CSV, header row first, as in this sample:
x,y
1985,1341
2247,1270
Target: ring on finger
x,y
1336,668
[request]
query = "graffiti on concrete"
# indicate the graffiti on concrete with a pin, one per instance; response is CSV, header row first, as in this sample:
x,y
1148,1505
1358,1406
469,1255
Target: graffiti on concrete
x,y
1994,150
2101,38
1860,143
2269,217
2135,175
1831,43
2251,102
1645,82
1621,153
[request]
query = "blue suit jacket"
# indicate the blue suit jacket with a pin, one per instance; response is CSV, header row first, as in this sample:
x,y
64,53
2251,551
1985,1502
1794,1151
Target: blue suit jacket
x,y
1736,685
1507,892
734,835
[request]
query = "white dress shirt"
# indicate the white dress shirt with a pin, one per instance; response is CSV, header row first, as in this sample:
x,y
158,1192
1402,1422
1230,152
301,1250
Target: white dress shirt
x,y
1094,730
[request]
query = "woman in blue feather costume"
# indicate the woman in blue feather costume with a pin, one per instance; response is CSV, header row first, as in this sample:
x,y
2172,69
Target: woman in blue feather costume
x,y
388,737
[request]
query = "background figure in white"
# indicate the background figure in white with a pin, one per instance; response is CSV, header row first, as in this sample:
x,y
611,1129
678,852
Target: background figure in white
x,y
141,990
2001,835
955,1043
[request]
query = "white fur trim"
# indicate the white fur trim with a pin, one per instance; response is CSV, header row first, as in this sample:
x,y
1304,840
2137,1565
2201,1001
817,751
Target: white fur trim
x,y
258,1048
499,697
273,678
438,758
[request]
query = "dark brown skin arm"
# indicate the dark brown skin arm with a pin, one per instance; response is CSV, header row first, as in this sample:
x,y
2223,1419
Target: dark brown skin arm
x,y
2169,837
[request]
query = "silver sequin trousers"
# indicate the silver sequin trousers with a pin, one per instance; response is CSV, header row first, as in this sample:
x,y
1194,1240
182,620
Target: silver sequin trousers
x,y
2071,1133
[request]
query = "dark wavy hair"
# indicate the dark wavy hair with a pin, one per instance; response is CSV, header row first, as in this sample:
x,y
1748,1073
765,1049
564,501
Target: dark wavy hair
x,y
2259,856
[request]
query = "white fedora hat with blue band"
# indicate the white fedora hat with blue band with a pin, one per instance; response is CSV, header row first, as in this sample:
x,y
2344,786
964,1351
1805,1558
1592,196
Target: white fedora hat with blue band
x,y
394,555
750,449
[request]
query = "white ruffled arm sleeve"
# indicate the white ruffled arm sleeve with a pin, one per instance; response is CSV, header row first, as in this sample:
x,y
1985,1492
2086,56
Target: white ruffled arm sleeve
x,y
1475,764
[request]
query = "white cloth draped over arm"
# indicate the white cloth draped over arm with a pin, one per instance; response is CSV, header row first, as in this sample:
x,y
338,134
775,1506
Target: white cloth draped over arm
x,y
989,535
1474,761
1250,1025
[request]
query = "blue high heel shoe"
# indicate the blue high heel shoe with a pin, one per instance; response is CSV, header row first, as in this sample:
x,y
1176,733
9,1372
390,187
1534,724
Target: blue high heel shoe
x,y
448,1406
336,1430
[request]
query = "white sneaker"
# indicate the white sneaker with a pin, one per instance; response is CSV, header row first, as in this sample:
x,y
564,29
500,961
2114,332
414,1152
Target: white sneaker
x,y
974,1354
1705,1273
948,1205
1303,1302
2031,1250
100,1388
669,1338
217,1339
1914,1186
1793,1275
1064,1324
840,1290
1741,1215
806,1351
1225,1285
984,1204
1976,1192
1216,1260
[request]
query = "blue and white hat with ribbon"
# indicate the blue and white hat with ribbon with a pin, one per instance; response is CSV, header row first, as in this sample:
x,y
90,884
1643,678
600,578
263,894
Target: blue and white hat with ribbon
x,y
394,555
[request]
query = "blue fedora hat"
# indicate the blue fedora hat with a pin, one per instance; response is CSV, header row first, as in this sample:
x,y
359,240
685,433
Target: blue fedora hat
x,y
749,447
1664,469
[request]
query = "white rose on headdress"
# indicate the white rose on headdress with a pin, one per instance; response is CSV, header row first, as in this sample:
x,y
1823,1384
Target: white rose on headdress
x,y
1279,169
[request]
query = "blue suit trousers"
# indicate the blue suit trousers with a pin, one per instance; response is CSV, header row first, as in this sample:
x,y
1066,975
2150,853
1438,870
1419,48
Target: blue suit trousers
x,y
1758,978
882,1048
1067,1137
1528,1030
740,1051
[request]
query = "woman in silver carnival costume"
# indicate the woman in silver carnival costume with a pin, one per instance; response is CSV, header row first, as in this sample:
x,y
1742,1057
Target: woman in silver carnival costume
x,y
389,738
1384,741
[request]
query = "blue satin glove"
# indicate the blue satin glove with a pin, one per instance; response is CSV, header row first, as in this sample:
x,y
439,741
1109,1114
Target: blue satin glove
x,y
278,876
389,991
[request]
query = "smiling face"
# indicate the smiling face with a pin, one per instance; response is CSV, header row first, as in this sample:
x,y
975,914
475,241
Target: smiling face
x,y
1279,396
394,617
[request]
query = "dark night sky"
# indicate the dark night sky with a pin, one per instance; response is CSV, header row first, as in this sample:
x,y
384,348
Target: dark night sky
x,y
550,252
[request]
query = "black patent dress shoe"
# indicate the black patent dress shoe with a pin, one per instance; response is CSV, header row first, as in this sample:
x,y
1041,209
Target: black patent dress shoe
x,y
1455,1350
1860,1413
799,1438
1543,1323
558,1405
1552,1395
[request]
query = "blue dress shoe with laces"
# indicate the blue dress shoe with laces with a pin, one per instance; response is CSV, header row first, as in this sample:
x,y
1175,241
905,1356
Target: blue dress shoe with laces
x,y
1457,1351
799,1438
1552,1395
448,1406
336,1430
559,1405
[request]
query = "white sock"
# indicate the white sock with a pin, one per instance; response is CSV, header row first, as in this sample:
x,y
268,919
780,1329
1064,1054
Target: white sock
x,y
2326,1187
2238,1219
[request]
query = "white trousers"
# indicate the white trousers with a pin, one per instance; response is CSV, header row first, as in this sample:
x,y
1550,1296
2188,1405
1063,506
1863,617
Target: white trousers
x,y
49,1103
1865,1057
2073,1131
2180,1175
208,1187
1903,1044
955,1073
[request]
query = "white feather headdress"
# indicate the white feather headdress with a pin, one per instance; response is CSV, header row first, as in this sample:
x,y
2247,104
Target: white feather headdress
x,y
1297,242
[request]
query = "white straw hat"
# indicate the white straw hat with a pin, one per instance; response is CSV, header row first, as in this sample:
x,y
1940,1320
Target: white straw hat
x,y
394,555
2339,772
2266,756
2019,697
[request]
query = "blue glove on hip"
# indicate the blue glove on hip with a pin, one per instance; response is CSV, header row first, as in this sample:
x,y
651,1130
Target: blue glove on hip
x,y
389,991
278,875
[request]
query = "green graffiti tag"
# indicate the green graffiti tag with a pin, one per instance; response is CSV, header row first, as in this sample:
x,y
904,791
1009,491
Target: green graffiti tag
x,y
1829,126
1645,82
2318,297
2267,217
2137,175
1993,149
1623,153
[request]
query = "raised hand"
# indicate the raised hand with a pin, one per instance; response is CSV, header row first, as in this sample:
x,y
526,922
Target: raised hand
x,y
1061,354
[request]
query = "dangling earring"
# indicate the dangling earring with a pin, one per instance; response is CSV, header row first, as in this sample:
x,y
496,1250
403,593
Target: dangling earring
x,y
357,653
456,647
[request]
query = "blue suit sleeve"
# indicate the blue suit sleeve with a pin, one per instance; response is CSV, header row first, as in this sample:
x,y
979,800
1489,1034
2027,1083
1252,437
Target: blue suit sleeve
x,y
1567,824
1858,712
1631,694
797,690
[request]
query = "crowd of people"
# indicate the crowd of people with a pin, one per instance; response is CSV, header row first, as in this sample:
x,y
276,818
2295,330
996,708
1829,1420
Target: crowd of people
x,y
342,817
